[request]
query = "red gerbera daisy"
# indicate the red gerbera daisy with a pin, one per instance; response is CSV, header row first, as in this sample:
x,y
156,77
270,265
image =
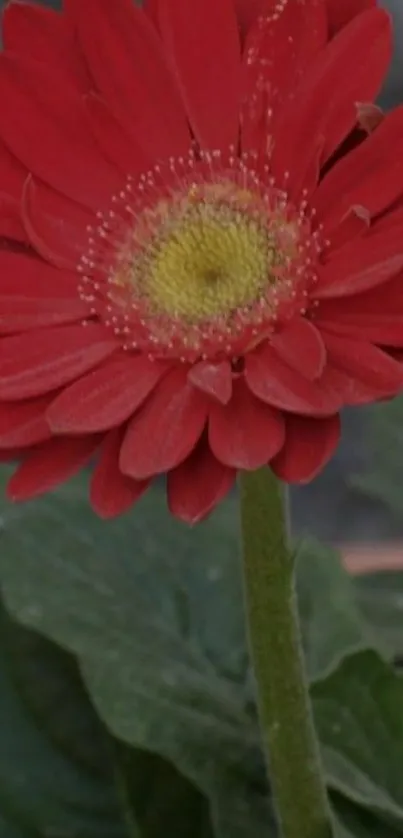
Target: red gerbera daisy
x,y
205,267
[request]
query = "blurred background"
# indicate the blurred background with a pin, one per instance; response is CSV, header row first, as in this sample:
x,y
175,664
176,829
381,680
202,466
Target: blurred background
x,y
359,497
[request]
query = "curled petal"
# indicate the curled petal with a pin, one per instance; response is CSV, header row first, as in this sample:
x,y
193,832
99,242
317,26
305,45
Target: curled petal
x,y
213,379
361,178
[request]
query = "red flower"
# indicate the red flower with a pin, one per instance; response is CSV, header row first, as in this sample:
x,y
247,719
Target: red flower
x,y
202,268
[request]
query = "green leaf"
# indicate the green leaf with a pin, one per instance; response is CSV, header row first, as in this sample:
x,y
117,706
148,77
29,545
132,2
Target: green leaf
x,y
380,598
332,625
41,789
49,682
351,821
240,807
129,598
359,719
382,480
8,830
150,794
153,611
164,801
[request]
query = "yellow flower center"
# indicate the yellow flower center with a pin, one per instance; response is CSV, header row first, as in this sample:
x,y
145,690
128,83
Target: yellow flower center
x,y
200,258
212,262
208,254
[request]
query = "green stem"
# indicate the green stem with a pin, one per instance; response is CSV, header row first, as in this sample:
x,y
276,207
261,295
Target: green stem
x,y
283,699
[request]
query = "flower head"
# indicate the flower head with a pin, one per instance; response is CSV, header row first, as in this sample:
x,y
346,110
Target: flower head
x,y
202,260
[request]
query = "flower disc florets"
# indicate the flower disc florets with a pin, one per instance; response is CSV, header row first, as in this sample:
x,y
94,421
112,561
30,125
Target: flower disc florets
x,y
201,257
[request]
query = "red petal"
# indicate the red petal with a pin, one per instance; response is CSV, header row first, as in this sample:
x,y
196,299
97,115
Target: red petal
x,y
43,34
309,445
354,224
12,173
54,226
37,103
105,397
375,316
360,54
351,391
301,346
11,226
361,265
383,299
202,41
166,428
246,433
273,381
369,116
151,9
342,11
19,314
111,492
214,379
363,361
50,464
247,12
32,364
11,456
369,176
198,485
23,423
279,48
116,144
32,295
126,60
25,274
384,329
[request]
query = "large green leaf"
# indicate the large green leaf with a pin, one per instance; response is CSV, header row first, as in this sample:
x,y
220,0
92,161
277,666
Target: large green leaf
x,y
153,611
9,830
162,800
380,598
42,790
358,712
240,807
332,625
149,794
48,680
353,821
382,480
129,599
